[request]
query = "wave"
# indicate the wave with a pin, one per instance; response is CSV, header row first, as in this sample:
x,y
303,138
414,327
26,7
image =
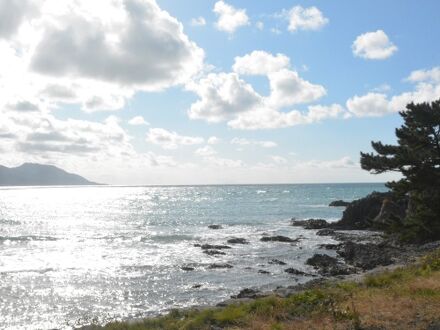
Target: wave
x,y
261,191
26,238
168,238
9,222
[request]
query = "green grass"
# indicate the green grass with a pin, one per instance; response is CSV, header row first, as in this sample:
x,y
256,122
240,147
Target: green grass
x,y
388,299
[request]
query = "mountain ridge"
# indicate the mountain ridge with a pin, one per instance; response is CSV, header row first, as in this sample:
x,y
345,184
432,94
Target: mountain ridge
x,y
33,174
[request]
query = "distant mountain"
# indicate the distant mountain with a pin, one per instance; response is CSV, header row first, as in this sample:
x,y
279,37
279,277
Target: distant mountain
x,y
30,174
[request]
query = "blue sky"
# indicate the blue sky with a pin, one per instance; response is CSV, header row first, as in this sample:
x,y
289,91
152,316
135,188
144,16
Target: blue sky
x,y
222,91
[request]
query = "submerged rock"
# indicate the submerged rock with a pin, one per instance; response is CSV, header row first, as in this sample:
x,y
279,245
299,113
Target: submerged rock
x,y
237,240
325,232
278,238
215,227
311,223
339,203
247,293
213,252
219,266
187,268
277,262
330,246
294,271
214,247
261,271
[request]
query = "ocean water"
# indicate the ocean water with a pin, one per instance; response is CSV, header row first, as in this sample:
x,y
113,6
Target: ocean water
x,y
74,255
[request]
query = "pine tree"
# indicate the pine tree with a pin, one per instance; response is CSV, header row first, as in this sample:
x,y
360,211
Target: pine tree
x,y
417,158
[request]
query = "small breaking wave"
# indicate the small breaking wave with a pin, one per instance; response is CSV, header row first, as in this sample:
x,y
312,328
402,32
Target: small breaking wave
x,y
29,238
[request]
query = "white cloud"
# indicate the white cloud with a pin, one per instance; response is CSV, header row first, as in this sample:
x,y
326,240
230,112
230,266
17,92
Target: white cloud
x,y
427,89
288,88
432,75
259,25
96,54
170,140
369,105
344,162
213,140
222,96
199,21
206,151
305,18
227,97
373,46
246,142
138,121
230,18
271,119
279,160
13,13
260,62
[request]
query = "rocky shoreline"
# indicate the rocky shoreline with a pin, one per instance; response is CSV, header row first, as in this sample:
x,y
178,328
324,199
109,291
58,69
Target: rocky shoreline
x,y
362,248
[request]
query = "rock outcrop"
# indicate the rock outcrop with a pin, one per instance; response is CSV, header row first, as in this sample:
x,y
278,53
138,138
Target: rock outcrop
x,y
372,212
327,265
311,223
339,203
279,238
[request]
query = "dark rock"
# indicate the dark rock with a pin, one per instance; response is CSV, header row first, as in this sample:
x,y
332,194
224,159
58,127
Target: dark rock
x,y
247,293
311,223
196,286
368,213
187,268
366,256
339,203
277,262
278,238
219,266
325,232
330,246
213,252
294,271
261,271
327,265
215,227
233,301
214,247
237,240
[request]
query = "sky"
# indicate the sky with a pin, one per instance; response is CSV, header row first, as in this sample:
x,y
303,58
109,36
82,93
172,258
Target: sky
x,y
134,92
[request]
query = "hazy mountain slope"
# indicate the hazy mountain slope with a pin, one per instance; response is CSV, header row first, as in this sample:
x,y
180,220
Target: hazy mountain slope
x,y
30,174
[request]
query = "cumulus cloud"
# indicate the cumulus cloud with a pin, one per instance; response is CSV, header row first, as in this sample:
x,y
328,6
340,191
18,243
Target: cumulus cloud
x,y
279,160
300,18
13,13
138,121
149,48
260,63
229,18
227,97
373,46
222,96
213,140
431,76
199,21
206,151
426,89
96,54
288,88
246,142
170,140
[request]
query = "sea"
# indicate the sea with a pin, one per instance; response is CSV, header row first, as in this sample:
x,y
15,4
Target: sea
x,y
72,256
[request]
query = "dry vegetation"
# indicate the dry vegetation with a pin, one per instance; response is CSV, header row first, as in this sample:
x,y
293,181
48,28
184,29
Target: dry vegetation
x,y
405,298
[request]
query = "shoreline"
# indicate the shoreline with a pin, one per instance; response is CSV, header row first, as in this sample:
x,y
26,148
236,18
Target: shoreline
x,y
404,256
